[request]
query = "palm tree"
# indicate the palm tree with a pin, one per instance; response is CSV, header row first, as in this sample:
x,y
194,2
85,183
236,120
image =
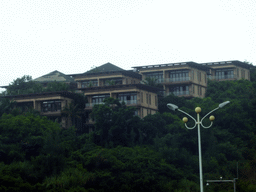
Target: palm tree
x,y
72,112
6,105
151,81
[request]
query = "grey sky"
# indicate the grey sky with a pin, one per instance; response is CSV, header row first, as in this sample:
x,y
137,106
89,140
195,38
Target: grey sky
x,y
40,36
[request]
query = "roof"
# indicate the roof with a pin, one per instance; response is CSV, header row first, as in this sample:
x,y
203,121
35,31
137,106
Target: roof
x,y
61,93
139,86
107,67
234,62
54,76
126,73
189,63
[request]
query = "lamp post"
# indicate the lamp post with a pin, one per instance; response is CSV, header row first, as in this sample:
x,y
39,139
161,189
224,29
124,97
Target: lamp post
x,y
198,123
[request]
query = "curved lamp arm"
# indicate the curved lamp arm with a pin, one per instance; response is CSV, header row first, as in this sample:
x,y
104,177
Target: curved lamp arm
x,y
206,116
190,117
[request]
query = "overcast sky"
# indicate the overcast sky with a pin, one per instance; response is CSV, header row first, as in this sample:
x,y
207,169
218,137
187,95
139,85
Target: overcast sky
x,y
40,36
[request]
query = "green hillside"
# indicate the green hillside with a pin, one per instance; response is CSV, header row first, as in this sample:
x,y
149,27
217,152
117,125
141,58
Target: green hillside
x,y
126,153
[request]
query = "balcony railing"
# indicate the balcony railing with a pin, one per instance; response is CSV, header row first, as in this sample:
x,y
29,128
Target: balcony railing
x,y
90,105
179,93
130,102
127,102
222,77
177,79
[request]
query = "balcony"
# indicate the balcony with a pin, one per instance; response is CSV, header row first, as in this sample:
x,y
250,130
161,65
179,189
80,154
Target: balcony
x,y
131,102
127,102
179,93
222,77
176,80
91,105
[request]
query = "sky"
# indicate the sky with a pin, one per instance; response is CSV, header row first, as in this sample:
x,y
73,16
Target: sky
x,y
72,36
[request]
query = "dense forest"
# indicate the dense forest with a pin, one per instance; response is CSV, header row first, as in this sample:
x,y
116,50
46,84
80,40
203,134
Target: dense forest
x,y
126,153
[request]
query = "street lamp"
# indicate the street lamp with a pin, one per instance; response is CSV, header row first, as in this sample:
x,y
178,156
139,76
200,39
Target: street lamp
x,y
198,123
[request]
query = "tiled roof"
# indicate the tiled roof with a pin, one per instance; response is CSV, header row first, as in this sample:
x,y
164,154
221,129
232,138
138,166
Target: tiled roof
x,y
54,76
105,68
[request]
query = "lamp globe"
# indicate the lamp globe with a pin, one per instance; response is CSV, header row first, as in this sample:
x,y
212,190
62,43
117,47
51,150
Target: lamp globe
x,y
198,109
185,119
211,118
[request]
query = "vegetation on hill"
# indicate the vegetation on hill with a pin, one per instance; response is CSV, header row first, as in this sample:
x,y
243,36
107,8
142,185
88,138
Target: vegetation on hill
x,y
126,153
25,85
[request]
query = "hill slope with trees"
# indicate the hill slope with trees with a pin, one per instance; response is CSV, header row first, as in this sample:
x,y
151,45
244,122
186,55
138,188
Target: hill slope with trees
x,y
126,153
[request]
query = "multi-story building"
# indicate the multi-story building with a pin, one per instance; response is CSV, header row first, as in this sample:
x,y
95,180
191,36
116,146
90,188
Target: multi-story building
x,y
188,79
228,70
48,104
110,81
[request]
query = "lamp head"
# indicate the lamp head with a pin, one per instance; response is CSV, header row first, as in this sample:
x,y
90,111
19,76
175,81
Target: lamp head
x,y
172,106
223,104
198,109
211,118
185,119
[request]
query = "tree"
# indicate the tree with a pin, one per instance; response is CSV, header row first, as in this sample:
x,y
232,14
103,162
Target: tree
x,y
71,112
151,81
24,85
57,86
6,105
112,121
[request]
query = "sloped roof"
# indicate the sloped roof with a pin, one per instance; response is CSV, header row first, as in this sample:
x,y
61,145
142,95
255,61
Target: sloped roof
x,y
107,67
54,76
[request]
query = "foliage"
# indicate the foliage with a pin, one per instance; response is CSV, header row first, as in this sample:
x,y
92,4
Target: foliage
x,y
25,85
127,153
112,123
151,81
57,86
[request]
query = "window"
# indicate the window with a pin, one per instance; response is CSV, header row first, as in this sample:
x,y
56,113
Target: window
x,y
149,99
156,75
237,73
141,97
50,106
142,114
193,88
224,74
243,74
205,78
192,74
199,76
98,99
128,98
90,83
115,81
181,75
180,90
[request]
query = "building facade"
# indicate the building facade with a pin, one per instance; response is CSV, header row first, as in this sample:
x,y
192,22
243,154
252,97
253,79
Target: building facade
x,y
187,79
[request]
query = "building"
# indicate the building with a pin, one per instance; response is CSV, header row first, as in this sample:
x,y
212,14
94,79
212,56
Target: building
x,y
187,79
228,70
48,104
111,81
